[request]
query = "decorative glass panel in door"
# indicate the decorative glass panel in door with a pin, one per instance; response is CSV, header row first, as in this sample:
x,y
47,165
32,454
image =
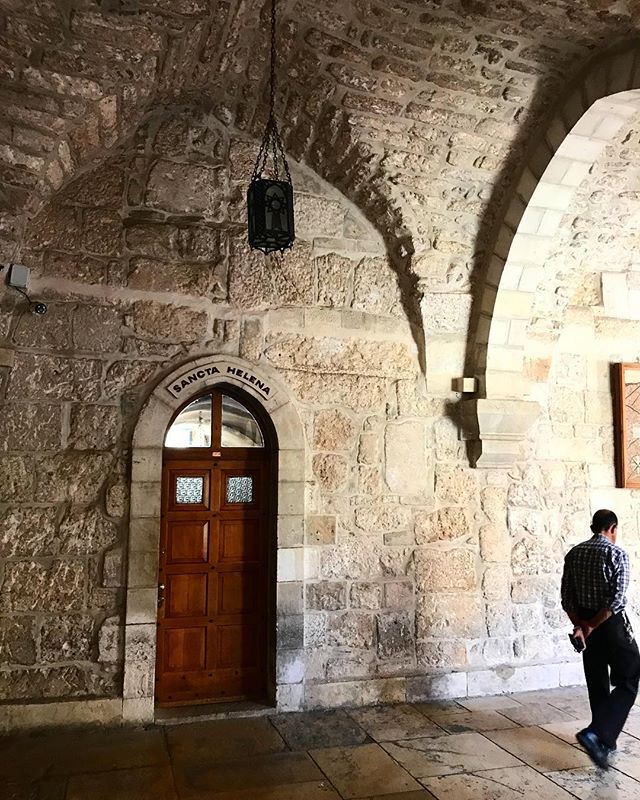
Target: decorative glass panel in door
x,y
189,489
240,489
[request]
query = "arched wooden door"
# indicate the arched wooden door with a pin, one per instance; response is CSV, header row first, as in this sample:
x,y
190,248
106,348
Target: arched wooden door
x,y
216,586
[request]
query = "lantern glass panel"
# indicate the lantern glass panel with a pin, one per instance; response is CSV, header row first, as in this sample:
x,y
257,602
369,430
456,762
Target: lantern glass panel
x,y
276,209
270,210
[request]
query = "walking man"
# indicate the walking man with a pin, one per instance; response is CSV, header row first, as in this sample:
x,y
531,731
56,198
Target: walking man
x,y
594,587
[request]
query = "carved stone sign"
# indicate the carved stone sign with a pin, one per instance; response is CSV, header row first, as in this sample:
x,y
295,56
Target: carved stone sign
x,y
199,375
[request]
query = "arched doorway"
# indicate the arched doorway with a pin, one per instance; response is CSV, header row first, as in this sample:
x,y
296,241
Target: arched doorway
x,y
216,594
272,406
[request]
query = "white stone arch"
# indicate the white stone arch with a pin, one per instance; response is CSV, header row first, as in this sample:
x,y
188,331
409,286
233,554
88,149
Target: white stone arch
x,y
606,99
144,517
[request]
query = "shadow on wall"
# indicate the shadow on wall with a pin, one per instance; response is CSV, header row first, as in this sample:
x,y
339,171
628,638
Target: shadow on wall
x,y
362,182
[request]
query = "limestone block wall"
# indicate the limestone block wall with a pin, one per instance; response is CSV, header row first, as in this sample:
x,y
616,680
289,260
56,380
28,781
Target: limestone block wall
x,y
408,574
144,266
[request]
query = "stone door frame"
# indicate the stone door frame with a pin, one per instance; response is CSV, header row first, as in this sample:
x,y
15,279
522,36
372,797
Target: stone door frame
x,y
140,628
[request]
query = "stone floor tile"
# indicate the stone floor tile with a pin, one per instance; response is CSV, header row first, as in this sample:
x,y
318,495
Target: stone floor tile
x,y
59,753
196,779
19,790
388,723
146,783
628,753
54,789
536,714
540,749
632,725
488,703
627,758
438,705
591,783
567,730
461,721
313,729
516,783
318,790
577,707
461,752
568,693
363,771
422,794
223,740
47,789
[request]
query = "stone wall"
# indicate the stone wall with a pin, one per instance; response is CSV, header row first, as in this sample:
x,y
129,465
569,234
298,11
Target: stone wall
x,y
409,579
417,575
144,266
420,575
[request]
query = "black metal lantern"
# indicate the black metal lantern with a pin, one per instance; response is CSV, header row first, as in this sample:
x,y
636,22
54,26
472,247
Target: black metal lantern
x,y
270,205
270,199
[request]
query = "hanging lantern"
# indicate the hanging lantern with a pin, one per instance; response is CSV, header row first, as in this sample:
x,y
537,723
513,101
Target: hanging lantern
x,y
270,193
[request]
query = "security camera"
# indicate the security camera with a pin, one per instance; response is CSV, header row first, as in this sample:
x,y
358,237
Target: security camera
x,y
39,308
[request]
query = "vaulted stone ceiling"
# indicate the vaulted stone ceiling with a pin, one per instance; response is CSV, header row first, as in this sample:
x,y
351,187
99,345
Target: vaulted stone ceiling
x,y
418,110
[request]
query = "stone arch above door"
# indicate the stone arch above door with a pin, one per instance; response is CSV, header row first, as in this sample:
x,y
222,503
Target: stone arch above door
x,y
173,392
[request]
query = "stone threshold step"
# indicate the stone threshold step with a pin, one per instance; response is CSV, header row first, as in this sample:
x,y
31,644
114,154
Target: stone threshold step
x,y
180,715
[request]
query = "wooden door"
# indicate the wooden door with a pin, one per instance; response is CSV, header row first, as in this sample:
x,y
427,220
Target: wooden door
x,y
213,594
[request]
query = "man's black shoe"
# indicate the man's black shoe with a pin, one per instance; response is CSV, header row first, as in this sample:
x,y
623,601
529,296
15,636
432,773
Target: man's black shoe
x,y
610,748
597,751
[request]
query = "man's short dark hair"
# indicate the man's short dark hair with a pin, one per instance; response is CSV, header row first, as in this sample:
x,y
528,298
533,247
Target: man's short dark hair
x,y
603,520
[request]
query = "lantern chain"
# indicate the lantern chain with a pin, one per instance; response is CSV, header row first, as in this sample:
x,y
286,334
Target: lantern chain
x,y
271,138
272,66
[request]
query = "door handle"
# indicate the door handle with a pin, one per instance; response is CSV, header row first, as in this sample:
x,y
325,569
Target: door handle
x,y
160,594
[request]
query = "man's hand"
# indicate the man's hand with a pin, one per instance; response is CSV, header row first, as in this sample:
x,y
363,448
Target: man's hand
x,y
589,625
580,633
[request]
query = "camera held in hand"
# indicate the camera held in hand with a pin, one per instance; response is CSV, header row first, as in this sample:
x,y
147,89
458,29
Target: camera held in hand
x,y
577,642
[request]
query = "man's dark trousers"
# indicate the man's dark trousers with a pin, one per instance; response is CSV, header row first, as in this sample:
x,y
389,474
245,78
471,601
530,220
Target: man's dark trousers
x,y
611,645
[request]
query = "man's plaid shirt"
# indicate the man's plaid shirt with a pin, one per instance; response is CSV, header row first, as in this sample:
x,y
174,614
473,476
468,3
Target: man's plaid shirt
x,y
596,576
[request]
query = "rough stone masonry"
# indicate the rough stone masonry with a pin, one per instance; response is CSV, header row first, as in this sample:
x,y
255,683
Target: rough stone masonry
x,y
127,139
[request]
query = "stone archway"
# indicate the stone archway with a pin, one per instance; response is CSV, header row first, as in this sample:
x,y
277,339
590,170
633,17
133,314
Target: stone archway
x,y
144,525
605,100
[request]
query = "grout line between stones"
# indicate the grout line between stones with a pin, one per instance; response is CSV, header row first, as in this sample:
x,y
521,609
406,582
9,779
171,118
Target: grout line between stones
x,y
167,748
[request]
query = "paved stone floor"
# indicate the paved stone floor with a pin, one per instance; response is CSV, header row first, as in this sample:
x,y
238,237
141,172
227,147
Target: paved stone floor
x,y
496,748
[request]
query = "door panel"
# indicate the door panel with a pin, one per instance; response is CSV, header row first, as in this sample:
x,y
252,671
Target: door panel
x,y
185,649
214,612
240,540
187,541
186,595
237,593
237,646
